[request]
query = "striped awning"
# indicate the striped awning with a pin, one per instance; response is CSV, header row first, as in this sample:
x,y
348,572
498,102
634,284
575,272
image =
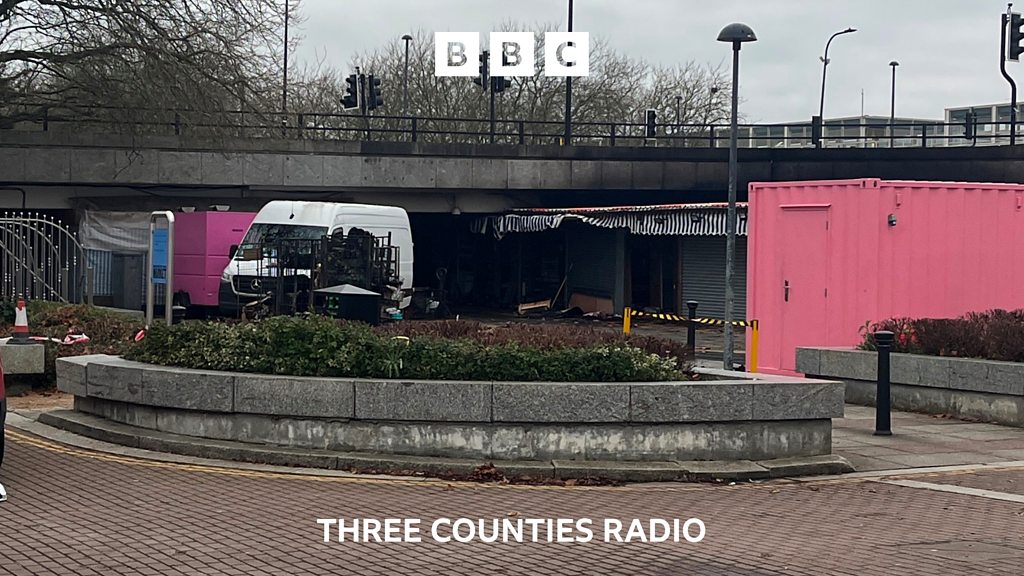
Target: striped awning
x,y
663,220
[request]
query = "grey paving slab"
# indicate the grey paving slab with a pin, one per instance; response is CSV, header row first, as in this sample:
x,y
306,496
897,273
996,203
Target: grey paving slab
x,y
733,469
1008,455
868,463
921,440
940,459
1007,434
879,451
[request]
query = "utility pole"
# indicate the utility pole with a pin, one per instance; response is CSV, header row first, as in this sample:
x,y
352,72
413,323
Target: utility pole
x,y
568,94
491,80
284,91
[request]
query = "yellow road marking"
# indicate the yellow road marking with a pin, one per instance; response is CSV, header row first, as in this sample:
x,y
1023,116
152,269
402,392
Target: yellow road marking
x,y
83,453
55,447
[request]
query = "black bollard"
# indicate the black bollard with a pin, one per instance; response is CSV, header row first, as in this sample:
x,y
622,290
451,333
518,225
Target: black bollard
x,y
883,397
691,329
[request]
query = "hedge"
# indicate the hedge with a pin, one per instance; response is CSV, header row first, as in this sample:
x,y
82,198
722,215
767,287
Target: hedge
x,y
992,335
310,345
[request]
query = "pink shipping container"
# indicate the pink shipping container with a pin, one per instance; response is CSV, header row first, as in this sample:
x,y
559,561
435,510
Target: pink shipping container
x,y
202,243
825,257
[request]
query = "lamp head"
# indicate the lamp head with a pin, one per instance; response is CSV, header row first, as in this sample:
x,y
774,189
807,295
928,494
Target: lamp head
x,y
894,63
407,37
737,32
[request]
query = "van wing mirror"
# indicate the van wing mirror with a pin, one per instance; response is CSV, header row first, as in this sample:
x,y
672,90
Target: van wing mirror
x,y
232,251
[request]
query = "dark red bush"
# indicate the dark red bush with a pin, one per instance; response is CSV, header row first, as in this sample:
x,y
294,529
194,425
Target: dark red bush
x,y
993,335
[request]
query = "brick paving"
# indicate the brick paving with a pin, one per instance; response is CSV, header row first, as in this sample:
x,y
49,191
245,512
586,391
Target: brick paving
x,y
77,512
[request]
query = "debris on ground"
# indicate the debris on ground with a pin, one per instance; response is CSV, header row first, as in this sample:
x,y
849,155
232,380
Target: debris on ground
x,y
490,474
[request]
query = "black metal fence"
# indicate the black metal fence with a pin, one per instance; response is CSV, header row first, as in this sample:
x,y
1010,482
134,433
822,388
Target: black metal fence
x,y
279,275
872,133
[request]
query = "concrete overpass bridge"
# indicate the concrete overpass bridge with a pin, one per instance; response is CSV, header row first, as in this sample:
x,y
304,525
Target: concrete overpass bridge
x,y
66,170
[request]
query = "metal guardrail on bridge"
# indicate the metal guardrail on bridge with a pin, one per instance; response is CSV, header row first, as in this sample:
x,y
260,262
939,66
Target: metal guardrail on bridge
x,y
335,126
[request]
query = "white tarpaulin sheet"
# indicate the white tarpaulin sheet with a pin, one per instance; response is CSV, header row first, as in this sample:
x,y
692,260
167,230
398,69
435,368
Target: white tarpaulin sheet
x,y
123,232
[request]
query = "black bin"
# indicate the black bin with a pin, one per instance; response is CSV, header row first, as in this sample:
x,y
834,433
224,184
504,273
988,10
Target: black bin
x,y
349,302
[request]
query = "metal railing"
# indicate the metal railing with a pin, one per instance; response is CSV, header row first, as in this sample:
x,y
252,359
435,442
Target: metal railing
x,y
282,273
40,258
335,126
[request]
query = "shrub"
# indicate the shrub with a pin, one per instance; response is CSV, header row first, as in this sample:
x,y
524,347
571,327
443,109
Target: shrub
x,y
539,336
993,335
317,346
109,332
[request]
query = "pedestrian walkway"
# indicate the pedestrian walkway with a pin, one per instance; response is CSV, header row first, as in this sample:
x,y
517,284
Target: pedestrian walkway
x,y
920,440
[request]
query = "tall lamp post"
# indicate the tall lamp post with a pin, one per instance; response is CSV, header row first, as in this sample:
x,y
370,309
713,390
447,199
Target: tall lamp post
x,y
736,34
892,107
824,70
405,78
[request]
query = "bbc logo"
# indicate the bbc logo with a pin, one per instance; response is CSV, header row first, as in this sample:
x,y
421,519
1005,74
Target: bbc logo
x,y
512,54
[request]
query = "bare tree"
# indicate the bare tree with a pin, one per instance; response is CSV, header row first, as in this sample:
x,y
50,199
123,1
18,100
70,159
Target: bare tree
x,y
199,58
618,90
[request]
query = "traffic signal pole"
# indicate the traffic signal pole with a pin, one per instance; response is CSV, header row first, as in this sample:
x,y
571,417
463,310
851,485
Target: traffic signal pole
x,y
363,103
1008,20
492,108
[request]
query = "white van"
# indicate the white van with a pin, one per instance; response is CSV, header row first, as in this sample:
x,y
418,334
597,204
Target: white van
x,y
285,219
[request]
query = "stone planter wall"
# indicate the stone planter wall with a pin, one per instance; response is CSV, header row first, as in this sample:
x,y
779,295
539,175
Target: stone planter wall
x,y
731,419
983,390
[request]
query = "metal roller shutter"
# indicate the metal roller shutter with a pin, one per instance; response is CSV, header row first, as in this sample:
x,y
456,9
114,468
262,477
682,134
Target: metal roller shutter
x,y
592,254
704,275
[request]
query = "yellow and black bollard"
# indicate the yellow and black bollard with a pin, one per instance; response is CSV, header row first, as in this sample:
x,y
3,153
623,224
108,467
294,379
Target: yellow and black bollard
x,y
754,340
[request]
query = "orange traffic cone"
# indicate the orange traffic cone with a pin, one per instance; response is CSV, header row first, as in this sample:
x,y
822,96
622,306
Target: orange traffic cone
x,y
21,335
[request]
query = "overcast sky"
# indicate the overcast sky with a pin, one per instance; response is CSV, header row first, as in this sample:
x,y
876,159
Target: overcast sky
x,y
948,50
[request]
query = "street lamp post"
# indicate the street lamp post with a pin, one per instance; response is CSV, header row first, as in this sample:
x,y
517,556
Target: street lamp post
x,y
736,34
892,107
824,70
405,78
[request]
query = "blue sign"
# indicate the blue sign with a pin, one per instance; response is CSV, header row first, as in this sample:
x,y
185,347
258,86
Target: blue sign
x,y
160,256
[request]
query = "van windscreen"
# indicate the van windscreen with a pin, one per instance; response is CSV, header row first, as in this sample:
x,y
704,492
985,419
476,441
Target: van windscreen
x,y
262,233
265,240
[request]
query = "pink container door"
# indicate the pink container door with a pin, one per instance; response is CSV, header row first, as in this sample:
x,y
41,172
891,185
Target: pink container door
x,y
803,277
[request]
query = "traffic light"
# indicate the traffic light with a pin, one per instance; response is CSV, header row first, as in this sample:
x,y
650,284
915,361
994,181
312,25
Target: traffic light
x,y
351,99
374,98
485,73
652,123
816,131
499,84
1015,38
970,125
